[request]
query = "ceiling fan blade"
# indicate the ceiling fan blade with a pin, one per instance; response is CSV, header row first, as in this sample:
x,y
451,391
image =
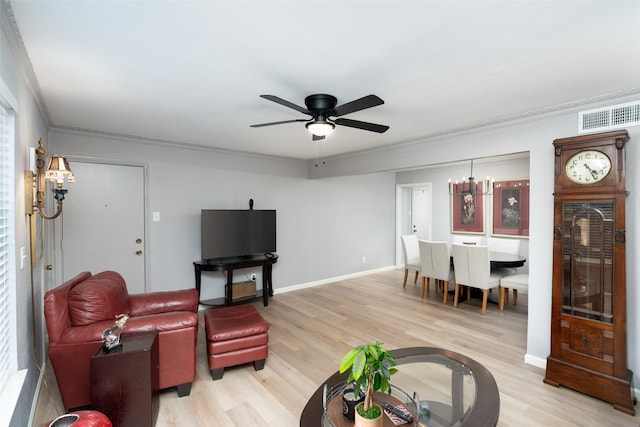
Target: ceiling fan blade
x,y
278,123
316,137
362,125
286,103
357,105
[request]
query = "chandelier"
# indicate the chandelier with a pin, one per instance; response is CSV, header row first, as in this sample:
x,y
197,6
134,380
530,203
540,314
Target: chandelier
x,y
471,185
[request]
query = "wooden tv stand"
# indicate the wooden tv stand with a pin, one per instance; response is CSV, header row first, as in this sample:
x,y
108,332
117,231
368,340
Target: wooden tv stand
x,y
233,263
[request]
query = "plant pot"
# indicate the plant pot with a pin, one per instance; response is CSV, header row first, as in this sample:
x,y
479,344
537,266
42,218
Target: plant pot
x,y
349,403
360,421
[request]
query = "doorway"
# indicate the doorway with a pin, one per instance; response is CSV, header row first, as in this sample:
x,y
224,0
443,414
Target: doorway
x,y
413,213
103,222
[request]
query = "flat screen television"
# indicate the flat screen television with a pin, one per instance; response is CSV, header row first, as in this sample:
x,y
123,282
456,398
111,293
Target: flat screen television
x,y
237,233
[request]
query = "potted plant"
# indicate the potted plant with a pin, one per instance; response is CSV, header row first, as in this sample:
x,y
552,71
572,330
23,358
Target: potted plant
x,y
371,369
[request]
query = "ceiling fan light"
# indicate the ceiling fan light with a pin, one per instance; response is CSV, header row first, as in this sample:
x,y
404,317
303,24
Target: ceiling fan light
x,y
320,128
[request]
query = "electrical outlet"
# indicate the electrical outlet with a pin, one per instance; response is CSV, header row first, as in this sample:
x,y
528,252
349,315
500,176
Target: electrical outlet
x,y
253,277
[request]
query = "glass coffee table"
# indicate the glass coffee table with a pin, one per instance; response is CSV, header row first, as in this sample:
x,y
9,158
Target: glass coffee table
x,y
441,388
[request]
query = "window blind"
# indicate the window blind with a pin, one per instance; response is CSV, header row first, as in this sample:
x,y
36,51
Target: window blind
x,y
7,244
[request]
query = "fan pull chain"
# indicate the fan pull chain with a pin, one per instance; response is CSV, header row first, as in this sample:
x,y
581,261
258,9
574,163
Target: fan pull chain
x,y
318,143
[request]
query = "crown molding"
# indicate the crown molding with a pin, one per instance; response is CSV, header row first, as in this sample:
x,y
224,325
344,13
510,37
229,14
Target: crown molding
x,y
16,43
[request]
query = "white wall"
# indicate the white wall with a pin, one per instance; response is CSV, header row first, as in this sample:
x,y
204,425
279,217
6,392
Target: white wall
x,y
325,226
506,168
30,126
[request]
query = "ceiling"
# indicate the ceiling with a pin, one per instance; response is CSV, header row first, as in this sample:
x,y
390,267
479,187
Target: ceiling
x,y
191,72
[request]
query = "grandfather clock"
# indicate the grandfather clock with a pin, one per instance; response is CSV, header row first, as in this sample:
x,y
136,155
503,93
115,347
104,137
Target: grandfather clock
x,y
588,311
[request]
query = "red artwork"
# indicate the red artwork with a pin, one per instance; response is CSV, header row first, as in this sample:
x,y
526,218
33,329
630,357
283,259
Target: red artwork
x,y
467,209
511,208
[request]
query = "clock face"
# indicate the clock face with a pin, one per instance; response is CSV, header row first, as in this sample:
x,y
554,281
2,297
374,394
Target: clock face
x,y
588,167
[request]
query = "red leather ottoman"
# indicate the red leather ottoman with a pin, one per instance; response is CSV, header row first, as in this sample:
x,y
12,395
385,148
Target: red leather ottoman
x,y
235,335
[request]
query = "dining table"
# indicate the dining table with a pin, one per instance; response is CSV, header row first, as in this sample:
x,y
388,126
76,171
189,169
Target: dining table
x,y
506,260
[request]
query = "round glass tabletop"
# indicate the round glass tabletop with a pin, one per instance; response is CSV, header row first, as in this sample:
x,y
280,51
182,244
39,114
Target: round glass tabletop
x,y
440,387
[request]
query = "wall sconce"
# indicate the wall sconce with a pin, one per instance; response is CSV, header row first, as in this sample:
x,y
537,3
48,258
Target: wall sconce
x,y
470,186
57,170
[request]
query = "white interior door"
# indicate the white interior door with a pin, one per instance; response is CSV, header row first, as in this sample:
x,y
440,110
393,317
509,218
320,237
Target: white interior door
x,y
413,213
103,222
420,208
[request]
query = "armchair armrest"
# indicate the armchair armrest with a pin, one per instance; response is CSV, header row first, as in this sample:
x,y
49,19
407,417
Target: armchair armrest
x,y
164,302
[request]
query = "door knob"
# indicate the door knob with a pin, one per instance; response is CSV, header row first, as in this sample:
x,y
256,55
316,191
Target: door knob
x,y
138,252
138,240
48,267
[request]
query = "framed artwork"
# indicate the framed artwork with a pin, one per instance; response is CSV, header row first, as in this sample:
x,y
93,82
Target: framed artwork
x,y
467,209
511,208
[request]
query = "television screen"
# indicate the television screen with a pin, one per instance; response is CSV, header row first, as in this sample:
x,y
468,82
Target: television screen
x,y
237,233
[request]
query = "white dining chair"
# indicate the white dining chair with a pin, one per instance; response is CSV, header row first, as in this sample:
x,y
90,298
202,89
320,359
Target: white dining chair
x,y
411,256
473,270
468,240
515,282
426,265
461,268
509,246
443,272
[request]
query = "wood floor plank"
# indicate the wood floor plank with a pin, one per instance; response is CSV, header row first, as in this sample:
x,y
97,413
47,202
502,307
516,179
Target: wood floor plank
x,y
311,329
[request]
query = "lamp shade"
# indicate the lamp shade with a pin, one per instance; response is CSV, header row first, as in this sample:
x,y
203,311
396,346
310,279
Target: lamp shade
x,y
58,170
320,127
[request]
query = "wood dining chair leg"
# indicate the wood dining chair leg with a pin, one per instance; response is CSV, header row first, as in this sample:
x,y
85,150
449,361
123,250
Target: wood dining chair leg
x,y
501,298
415,279
406,274
468,293
425,282
515,296
455,296
485,298
445,287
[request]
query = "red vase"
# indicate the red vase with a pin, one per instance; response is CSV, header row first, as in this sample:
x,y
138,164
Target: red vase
x,y
81,419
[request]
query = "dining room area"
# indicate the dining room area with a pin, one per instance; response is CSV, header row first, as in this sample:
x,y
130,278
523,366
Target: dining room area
x,y
466,270
463,236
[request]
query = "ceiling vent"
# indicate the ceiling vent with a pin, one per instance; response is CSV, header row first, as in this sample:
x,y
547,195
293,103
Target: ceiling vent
x,y
612,117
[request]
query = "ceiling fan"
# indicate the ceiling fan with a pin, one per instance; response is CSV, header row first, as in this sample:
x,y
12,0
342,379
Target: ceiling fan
x,y
322,108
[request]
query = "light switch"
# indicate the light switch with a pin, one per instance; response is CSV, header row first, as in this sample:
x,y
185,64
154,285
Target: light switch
x,y
156,216
23,256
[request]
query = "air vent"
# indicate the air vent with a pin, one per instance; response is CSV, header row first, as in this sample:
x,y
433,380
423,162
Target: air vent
x,y
606,118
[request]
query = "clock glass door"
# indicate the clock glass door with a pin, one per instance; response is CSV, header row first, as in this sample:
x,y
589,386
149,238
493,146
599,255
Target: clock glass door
x,y
587,247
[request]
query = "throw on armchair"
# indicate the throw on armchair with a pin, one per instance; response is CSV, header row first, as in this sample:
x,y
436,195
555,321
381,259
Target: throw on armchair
x,y
79,310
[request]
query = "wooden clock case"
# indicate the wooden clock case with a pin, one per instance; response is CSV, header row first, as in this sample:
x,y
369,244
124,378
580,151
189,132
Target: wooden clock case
x,y
588,312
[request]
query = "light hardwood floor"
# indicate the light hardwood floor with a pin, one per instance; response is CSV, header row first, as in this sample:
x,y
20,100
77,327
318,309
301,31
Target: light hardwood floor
x,y
311,329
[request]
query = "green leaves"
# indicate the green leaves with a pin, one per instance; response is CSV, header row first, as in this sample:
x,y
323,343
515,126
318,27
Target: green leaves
x,y
371,368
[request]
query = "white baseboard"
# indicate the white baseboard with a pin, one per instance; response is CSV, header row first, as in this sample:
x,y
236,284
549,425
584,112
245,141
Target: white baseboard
x,y
536,361
330,280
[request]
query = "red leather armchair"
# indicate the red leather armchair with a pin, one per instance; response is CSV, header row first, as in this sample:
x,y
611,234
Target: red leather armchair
x,y
79,310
